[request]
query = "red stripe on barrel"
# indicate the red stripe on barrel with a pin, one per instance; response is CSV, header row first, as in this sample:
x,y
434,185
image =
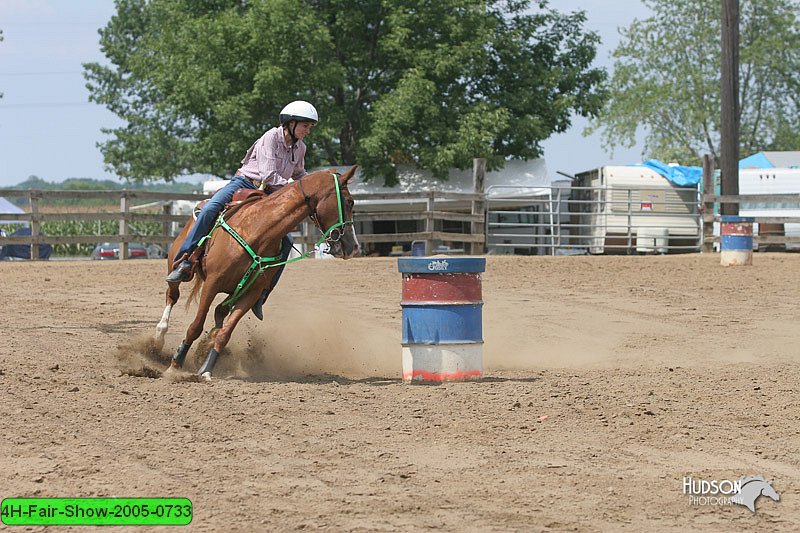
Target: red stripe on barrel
x,y
457,375
736,228
450,288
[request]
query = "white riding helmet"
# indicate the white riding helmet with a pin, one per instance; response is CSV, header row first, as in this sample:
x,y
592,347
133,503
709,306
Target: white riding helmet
x,y
300,111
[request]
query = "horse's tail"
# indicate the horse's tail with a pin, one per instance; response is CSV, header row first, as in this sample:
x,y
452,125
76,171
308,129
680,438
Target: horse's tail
x,y
194,294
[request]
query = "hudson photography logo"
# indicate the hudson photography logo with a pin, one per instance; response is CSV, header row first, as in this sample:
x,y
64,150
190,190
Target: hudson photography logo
x,y
744,491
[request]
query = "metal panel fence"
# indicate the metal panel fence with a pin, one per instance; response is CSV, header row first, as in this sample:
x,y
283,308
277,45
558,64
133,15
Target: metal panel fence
x,y
565,220
568,220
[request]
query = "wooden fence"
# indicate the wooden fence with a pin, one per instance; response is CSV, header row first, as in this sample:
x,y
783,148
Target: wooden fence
x,y
125,216
426,206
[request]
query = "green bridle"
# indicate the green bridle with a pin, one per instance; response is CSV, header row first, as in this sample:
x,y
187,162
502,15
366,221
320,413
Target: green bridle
x,y
263,263
326,234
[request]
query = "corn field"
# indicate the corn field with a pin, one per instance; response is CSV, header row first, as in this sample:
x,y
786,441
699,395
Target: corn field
x,y
86,227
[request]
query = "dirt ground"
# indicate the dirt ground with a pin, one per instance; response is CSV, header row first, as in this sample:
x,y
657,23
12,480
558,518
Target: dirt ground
x,y
608,380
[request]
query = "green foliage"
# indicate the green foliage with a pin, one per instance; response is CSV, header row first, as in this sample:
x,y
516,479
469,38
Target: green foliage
x,y
402,81
666,80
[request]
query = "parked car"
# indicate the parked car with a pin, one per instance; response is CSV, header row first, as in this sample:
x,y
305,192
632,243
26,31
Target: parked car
x,y
110,250
23,251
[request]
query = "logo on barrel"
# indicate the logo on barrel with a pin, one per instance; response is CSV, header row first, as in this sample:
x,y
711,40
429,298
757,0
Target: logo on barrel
x,y
437,265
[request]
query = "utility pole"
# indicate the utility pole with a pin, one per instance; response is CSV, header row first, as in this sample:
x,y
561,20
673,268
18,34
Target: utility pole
x,y
729,123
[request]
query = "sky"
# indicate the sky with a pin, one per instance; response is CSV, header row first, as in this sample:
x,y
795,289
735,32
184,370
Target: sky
x,y
49,129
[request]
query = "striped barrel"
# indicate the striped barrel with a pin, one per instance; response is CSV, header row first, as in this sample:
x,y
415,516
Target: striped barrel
x,y
442,318
736,240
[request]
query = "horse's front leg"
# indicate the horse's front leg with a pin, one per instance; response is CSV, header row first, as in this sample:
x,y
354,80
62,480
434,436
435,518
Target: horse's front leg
x,y
221,339
172,296
223,335
195,328
220,312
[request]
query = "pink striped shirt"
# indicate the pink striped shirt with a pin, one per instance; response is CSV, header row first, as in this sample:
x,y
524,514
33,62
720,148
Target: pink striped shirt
x,y
269,159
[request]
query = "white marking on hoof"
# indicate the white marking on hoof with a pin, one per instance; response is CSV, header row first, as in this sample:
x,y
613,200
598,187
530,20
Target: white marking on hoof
x,y
206,376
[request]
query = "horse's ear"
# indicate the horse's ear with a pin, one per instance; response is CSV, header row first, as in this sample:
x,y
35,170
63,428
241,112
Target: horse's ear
x,y
348,175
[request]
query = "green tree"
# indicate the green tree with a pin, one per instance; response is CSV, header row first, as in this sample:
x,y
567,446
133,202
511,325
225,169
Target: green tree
x,y
401,81
666,80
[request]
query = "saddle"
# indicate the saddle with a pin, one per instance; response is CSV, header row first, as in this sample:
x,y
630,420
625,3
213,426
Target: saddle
x,y
241,198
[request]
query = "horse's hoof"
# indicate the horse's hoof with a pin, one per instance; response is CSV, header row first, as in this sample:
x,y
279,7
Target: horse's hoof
x,y
206,376
174,364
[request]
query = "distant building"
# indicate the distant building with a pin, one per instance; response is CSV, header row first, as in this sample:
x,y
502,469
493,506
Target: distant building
x,y
771,160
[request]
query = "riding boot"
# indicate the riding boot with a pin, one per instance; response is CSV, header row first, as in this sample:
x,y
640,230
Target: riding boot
x,y
257,309
183,272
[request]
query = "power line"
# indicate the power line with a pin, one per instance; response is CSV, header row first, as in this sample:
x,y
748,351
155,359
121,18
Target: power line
x,y
51,73
11,24
44,104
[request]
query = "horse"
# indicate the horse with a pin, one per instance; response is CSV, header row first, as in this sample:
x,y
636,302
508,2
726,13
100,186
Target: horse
x,y
752,488
322,196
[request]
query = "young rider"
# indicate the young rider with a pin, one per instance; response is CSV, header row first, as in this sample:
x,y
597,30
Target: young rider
x,y
274,160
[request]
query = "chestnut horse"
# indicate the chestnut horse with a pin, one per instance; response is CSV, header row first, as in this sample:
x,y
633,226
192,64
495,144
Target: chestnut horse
x,y
321,195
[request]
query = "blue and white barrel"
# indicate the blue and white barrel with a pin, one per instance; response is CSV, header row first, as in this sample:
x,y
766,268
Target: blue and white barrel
x,y
442,318
736,240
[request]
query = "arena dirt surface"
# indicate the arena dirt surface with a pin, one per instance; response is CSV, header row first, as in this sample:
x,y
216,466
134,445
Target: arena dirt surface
x,y
608,380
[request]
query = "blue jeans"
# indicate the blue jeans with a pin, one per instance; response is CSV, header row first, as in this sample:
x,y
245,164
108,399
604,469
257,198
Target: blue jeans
x,y
208,217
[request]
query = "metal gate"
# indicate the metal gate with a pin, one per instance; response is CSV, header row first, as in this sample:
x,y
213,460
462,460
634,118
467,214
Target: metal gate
x,y
567,220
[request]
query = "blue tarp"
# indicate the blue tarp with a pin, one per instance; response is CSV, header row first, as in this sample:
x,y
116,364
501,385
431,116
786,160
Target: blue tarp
x,y
680,176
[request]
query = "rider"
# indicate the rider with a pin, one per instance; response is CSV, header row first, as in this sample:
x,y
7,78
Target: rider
x,y
274,160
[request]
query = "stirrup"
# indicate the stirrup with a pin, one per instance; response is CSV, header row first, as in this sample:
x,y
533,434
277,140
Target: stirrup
x,y
183,272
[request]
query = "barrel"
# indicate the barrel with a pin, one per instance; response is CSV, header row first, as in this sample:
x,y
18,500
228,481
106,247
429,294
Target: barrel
x,y
736,240
442,318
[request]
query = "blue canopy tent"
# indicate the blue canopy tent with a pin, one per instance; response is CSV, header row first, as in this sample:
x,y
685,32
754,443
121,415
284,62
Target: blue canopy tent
x,y
7,208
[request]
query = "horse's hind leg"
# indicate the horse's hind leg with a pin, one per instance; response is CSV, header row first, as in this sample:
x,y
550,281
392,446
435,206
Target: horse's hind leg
x,y
172,296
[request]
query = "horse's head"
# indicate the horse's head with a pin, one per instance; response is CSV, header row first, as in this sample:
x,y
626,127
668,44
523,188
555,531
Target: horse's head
x,y
768,491
333,212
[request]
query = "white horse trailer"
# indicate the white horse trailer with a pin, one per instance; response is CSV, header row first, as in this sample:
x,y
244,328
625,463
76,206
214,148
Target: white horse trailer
x,y
627,209
771,181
